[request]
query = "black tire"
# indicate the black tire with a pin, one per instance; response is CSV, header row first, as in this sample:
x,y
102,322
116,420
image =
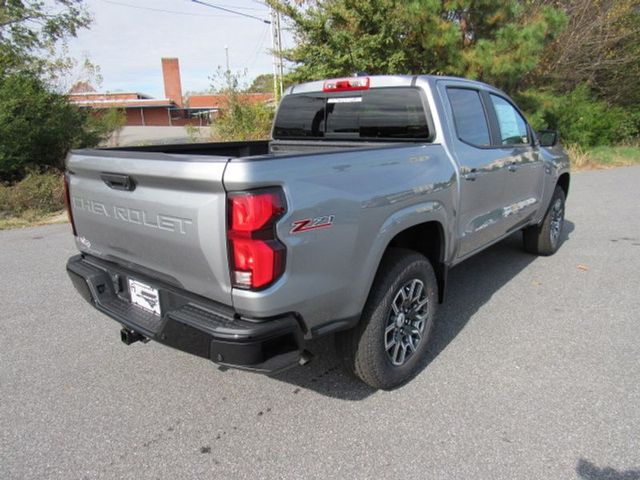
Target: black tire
x,y
363,348
546,238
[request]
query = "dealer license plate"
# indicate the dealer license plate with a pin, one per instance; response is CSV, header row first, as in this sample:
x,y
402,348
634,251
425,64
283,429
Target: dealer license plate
x,y
144,296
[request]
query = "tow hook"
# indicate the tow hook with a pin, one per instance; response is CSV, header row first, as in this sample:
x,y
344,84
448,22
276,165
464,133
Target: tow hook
x,y
129,336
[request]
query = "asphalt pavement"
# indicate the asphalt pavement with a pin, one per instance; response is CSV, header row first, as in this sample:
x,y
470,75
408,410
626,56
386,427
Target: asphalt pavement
x,y
534,373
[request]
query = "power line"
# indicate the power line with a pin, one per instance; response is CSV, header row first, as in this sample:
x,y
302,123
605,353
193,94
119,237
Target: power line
x,y
140,7
235,7
259,47
175,12
224,9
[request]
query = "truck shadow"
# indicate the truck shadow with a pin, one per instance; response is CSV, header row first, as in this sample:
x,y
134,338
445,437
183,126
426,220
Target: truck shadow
x,y
471,285
588,471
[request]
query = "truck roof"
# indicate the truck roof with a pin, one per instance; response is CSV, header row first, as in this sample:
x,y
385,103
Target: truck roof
x,y
378,81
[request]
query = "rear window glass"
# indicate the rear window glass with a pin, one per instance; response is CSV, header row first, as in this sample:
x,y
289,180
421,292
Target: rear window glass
x,y
469,117
383,113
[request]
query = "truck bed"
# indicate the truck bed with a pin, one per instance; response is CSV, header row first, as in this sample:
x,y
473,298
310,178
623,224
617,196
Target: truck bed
x,y
253,148
222,149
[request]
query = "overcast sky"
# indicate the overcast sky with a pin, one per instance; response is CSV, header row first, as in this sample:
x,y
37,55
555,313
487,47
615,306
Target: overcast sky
x,y
129,37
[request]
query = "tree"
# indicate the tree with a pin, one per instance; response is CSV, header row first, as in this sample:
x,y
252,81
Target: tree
x,y
30,29
497,41
262,84
579,116
37,125
600,47
240,116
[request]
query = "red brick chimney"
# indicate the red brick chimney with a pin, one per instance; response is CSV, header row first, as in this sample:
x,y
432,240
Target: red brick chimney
x,y
172,84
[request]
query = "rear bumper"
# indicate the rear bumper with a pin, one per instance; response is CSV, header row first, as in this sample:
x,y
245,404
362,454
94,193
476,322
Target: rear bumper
x,y
189,322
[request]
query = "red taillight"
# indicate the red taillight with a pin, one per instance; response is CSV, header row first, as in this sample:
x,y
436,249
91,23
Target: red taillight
x,y
346,84
251,212
67,204
256,257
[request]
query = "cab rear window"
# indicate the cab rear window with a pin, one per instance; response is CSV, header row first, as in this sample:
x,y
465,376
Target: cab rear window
x,y
377,114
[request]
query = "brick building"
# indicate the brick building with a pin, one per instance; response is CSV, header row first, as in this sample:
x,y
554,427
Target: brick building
x,y
173,110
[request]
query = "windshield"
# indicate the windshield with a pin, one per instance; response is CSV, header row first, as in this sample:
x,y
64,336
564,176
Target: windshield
x,y
379,114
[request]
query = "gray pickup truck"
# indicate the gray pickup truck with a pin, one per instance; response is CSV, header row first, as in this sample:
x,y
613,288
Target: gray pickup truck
x,y
345,223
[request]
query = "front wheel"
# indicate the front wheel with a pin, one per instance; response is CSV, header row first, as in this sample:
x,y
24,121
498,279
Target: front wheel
x,y
388,345
545,239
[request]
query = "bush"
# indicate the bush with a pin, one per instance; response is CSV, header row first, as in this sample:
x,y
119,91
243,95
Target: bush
x,y
580,117
38,127
240,117
242,120
39,192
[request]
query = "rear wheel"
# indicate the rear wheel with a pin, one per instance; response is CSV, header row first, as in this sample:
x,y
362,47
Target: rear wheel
x,y
389,344
545,239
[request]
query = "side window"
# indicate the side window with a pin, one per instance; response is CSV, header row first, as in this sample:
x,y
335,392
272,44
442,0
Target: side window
x,y
513,128
469,116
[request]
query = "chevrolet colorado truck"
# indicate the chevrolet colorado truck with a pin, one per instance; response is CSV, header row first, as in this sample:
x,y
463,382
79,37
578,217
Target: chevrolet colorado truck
x,y
346,222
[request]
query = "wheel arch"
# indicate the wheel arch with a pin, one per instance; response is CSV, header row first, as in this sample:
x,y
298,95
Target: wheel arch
x,y
429,239
563,182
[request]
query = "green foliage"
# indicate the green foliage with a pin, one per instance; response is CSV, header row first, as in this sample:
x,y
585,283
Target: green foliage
x,y
37,192
101,125
602,156
262,84
29,28
192,133
240,117
600,46
612,156
514,48
38,127
492,40
580,117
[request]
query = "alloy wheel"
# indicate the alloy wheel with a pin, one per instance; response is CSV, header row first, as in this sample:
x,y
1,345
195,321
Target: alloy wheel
x,y
557,220
407,319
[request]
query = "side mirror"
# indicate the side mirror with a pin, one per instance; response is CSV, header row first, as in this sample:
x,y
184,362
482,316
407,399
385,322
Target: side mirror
x,y
548,138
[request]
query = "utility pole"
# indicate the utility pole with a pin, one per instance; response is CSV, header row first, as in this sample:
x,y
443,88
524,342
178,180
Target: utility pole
x,y
276,44
276,47
228,71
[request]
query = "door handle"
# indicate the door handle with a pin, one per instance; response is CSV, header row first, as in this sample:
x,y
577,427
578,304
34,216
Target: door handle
x,y
471,175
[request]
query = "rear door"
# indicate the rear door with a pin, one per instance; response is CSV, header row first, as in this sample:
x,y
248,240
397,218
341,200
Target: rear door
x,y
482,176
160,214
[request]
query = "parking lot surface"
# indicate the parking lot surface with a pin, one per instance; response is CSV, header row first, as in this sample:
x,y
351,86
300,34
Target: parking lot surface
x,y
534,372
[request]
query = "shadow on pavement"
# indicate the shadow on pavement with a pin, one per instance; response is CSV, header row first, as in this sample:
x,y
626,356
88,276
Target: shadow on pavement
x,y
471,285
589,471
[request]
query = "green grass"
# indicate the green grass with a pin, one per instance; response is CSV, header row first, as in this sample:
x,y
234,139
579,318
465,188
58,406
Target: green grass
x,y
615,156
603,157
36,200
31,218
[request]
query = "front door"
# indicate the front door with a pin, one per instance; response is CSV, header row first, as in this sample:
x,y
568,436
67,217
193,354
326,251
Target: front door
x,y
524,180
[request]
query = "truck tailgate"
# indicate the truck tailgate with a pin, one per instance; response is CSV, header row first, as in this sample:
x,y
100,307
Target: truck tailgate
x,y
160,214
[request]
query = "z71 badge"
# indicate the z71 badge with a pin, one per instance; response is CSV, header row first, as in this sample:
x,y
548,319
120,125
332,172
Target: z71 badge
x,y
324,221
